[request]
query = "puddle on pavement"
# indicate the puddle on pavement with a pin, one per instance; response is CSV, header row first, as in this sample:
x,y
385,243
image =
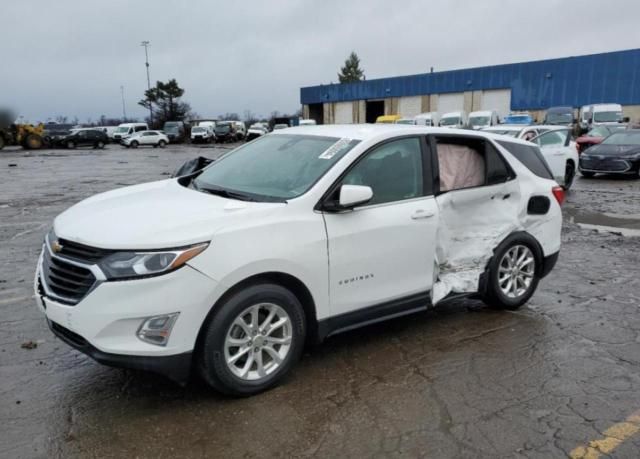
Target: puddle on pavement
x,y
625,224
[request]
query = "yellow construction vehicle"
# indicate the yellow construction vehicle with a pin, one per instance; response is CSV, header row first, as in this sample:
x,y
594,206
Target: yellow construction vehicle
x,y
28,136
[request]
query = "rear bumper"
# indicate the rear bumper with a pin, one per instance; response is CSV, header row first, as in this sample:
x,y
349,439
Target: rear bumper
x,y
175,367
548,263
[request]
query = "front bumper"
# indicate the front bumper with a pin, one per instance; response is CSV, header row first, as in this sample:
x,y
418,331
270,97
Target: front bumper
x,y
175,367
609,165
105,322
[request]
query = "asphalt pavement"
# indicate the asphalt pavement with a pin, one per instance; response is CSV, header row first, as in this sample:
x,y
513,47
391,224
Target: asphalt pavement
x,y
558,378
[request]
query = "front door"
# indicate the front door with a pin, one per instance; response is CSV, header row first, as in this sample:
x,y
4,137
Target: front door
x,y
384,250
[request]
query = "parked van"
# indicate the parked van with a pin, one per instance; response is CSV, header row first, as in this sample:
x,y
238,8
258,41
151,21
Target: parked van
x,y
560,116
241,130
124,130
584,118
177,131
604,114
483,119
454,120
427,119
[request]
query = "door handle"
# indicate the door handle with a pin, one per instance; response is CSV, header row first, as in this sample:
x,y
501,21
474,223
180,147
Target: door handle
x,y
421,213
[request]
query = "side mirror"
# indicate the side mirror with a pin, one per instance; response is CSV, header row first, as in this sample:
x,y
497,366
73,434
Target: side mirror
x,y
192,166
352,195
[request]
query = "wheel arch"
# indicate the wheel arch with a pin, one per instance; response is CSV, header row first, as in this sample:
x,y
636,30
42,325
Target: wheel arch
x,y
288,281
522,236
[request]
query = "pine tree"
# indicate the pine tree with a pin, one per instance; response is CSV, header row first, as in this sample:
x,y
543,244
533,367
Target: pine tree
x,y
351,71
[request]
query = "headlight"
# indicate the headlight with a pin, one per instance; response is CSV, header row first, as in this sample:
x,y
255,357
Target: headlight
x,y
128,265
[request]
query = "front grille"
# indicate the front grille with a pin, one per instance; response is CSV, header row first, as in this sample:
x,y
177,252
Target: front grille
x,y
605,165
68,334
81,253
69,283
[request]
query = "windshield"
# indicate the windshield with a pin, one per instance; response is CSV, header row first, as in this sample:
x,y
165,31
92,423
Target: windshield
x,y
450,121
607,117
479,120
122,129
223,127
623,138
509,132
559,118
275,167
198,129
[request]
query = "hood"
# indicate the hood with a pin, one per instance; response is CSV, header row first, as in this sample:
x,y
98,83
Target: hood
x,y
613,150
154,216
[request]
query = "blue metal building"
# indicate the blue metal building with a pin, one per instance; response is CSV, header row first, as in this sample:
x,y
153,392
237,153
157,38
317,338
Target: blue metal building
x,y
573,81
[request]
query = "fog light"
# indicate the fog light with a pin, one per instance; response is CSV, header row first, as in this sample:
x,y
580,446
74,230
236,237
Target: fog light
x,y
156,329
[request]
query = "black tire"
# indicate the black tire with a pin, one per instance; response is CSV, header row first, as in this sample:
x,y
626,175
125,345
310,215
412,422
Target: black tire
x,y
569,175
100,144
494,295
134,144
587,174
71,145
162,144
211,352
2,142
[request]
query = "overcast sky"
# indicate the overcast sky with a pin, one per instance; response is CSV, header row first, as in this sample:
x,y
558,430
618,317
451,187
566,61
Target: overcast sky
x,y
70,57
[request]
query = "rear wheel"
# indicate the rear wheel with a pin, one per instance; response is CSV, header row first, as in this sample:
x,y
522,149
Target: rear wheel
x,y
2,143
252,341
569,175
513,273
100,144
587,174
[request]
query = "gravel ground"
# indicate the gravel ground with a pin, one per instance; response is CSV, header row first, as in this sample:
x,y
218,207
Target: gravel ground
x,y
458,381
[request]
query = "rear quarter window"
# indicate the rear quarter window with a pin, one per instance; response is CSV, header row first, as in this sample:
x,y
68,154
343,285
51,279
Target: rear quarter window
x,y
530,156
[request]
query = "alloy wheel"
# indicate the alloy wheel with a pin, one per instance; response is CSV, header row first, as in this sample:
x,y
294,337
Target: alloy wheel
x,y
258,341
516,271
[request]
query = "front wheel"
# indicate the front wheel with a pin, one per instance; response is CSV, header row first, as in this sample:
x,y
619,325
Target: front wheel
x,y
100,144
252,340
134,144
513,273
71,145
162,144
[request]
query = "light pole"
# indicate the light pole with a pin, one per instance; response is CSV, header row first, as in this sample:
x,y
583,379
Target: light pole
x,y
124,111
146,44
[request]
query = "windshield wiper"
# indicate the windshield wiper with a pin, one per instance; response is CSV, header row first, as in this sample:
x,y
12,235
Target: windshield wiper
x,y
225,193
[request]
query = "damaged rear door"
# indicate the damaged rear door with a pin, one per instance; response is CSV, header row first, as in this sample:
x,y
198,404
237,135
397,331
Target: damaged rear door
x,y
478,200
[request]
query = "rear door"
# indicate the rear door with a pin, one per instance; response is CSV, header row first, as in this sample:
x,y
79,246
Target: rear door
x,y
478,199
384,250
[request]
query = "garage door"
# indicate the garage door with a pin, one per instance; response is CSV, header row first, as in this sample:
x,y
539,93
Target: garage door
x,y
497,99
453,102
408,107
344,113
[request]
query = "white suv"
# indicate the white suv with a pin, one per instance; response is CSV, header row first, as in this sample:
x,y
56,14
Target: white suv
x,y
301,234
146,138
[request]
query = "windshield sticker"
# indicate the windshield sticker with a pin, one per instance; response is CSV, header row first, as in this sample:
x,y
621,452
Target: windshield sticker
x,y
335,148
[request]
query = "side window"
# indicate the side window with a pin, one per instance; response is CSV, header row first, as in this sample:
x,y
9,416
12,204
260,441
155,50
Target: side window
x,y
530,156
392,170
551,138
468,162
140,128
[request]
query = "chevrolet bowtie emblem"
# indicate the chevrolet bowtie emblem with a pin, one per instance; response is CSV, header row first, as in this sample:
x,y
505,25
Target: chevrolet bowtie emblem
x,y
56,246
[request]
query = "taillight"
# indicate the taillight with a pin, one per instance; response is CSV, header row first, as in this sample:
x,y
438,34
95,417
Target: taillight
x,y
558,192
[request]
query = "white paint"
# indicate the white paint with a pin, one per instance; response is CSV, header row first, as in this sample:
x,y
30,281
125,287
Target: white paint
x,y
343,113
497,99
408,107
453,102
